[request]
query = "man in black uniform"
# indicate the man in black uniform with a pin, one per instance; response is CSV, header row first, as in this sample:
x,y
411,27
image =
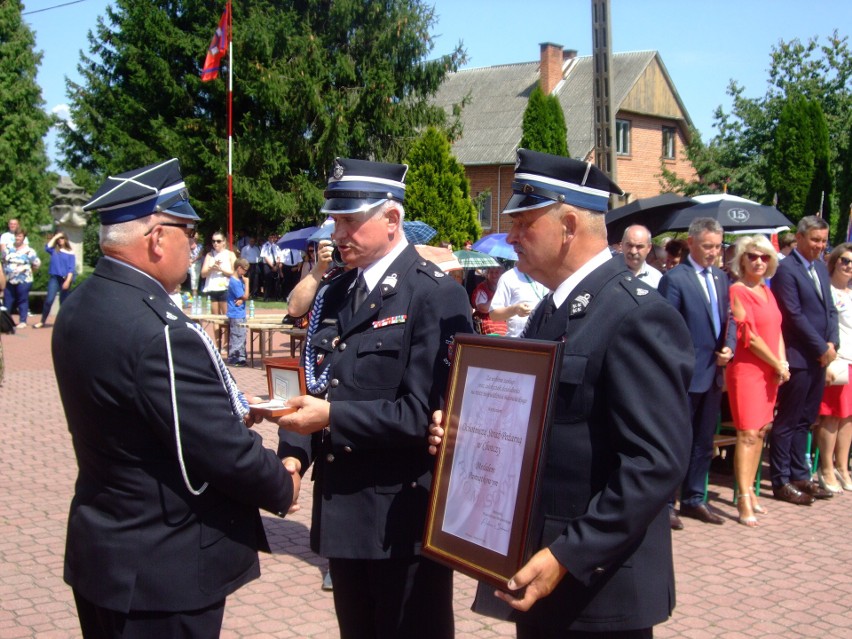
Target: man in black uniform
x,y
164,521
615,453
376,363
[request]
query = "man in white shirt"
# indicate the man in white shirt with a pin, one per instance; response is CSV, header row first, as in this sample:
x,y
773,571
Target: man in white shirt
x,y
515,298
271,263
636,244
251,252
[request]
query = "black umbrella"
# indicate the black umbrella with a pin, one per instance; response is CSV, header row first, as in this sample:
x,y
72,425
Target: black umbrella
x,y
733,215
646,211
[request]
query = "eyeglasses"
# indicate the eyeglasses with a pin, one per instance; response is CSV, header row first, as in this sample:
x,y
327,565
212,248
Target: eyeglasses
x,y
753,257
188,229
218,241
845,261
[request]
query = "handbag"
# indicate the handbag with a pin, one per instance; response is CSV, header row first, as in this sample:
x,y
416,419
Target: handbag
x,y
7,324
837,373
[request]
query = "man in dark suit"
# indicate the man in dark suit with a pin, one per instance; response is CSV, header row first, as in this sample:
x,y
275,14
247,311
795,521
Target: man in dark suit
x,y
164,521
809,324
376,362
699,292
613,456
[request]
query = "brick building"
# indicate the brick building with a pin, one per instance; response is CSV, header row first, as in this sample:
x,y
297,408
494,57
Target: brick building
x,y
652,124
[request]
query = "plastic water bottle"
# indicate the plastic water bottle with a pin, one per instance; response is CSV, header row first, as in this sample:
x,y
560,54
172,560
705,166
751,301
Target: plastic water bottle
x,y
251,309
209,305
196,305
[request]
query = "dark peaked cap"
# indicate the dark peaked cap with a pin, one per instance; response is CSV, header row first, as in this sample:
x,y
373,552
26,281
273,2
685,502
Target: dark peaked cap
x,y
542,179
157,188
355,186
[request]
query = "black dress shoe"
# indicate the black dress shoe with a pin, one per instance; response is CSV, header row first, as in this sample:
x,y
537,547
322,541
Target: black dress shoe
x,y
812,489
701,513
674,521
789,493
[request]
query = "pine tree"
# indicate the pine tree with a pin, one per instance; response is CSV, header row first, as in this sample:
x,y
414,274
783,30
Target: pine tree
x,y
313,80
798,163
438,192
24,179
543,125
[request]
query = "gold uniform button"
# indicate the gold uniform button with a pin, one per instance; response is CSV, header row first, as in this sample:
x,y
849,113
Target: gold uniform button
x,y
329,458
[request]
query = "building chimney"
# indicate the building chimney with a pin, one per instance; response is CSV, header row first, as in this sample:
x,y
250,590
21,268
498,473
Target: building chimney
x,y
569,54
550,71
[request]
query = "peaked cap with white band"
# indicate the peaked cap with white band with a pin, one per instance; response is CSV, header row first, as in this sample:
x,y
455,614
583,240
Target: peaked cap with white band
x,y
542,179
355,186
157,188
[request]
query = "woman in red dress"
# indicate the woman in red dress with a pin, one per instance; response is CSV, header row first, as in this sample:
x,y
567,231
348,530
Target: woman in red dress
x,y
759,365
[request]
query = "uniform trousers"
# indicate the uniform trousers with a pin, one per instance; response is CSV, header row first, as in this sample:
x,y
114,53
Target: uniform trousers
x,y
798,409
406,598
531,632
101,623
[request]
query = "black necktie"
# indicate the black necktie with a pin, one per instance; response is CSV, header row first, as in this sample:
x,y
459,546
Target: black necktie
x,y
548,309
539,318
359,294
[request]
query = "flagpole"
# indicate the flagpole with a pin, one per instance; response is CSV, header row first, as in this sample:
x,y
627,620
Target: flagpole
x,y
230,127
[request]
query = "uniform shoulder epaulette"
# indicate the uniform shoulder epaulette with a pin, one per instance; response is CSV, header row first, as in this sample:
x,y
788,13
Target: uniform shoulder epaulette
x,y
638,289
163,308
431,269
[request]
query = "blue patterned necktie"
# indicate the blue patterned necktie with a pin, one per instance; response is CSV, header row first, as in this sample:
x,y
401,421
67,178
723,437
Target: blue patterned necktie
x,y
714,301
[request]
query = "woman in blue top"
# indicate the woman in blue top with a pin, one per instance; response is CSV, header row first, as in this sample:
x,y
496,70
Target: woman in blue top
x,y
61,273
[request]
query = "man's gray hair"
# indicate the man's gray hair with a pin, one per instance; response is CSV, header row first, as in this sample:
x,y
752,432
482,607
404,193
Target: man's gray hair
x,y
704,225
113,236
809,223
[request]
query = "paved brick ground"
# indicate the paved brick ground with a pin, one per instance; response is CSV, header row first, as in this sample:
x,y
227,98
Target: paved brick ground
x,y
792,577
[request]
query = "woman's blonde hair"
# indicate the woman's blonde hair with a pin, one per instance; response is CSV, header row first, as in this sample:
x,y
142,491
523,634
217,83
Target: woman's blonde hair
x,y
749,243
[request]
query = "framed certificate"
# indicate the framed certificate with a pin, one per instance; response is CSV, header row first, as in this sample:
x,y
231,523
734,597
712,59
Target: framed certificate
x,y
285,378
485,487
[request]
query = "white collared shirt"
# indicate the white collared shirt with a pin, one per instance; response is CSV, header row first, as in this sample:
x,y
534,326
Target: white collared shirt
x,y
699,272
374,272
562,291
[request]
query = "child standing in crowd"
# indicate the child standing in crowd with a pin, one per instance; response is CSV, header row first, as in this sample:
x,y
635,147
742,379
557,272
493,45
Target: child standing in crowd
x,y
238,294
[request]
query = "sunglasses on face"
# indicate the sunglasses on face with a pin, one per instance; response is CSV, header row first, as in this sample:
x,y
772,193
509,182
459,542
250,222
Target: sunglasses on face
x,y
753,257
845,261
218,241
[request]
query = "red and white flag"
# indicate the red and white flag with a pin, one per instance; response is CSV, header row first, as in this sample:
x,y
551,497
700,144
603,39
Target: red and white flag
x,y
218,48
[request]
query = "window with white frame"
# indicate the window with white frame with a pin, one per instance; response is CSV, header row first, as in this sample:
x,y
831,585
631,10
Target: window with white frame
x,y
669,137
622,137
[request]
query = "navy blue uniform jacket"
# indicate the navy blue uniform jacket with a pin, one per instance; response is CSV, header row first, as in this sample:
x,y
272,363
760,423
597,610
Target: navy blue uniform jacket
x,y
389,371
615,455
137,538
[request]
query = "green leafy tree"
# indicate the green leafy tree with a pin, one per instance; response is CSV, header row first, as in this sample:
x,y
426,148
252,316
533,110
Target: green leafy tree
x,y
313,79
543,125
844,186
437,190
25,181
737,155
797,167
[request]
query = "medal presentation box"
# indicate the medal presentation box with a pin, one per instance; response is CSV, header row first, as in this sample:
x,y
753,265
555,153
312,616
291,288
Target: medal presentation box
x,y
486,483
285,378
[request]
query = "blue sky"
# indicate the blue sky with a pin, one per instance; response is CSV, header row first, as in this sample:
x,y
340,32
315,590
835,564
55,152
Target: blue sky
x,y
704,44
